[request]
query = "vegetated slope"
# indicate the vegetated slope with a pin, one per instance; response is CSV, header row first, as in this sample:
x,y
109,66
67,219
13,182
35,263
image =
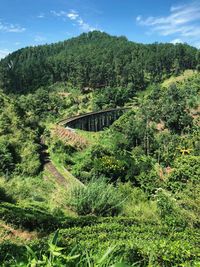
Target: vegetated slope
x,y
145,168
95,60
19,140
163,126
106,241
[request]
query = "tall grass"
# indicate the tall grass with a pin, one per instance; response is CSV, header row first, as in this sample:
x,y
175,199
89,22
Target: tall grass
x,y
97,198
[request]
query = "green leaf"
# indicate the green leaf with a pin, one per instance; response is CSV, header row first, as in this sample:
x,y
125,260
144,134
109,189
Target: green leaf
x,y
107,253
55,238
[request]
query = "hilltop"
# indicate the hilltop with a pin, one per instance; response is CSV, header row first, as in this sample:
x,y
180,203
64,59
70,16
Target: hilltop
x,y
95,60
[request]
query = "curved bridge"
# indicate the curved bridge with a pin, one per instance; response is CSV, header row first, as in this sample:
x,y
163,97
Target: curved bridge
x,y
94,121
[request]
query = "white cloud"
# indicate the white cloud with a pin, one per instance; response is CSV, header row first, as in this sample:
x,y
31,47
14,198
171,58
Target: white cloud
x,y
17,43
39,38
138,18
175,8
76,18
4,53
7,27
182,21
177,41
59,14
73,15
41,16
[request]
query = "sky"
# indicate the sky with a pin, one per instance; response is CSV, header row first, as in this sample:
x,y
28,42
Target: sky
x,y
35,22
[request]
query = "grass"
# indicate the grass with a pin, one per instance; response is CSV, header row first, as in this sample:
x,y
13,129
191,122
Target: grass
x,y
59,197
91,137
70,179
41,190
177,79
27,188
173,79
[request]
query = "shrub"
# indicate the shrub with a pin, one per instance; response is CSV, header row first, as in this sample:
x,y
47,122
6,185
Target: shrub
x,y
107,242
98,198
110,167
4,197
169,210
138,205
30,160
149,182
6,157
9,250
186,169
30,217
137,244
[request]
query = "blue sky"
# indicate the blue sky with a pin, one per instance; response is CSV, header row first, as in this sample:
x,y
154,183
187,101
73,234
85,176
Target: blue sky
x,y
33,22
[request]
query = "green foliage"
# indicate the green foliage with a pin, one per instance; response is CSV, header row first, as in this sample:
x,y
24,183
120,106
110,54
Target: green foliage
x,y
111,97
137,204
57,256
95,60
108,242
54,257
166,147
142,245
186,169
172,105
110,167
188,200
19,148
30,160
11,253
4,197
98,198
63,151
28,217
41,104
168,209
85,161
149,181
6,157
174,112
154,146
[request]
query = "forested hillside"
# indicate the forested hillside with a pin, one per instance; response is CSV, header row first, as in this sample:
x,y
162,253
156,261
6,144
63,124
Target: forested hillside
x,y
125,196
95,60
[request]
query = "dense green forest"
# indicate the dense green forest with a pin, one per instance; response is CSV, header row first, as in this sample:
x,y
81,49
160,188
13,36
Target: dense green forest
x,y
95,60
125,196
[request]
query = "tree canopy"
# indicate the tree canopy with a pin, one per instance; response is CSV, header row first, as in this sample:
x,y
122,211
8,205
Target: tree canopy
x,y
95,60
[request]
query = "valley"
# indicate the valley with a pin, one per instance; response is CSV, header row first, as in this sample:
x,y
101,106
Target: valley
x,y
99,154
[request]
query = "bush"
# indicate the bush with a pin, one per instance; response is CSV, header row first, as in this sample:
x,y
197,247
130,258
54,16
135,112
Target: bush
x,y
98,198
186,169
138,205
169,210
149,182
110,167
105,242
62,151
10,251
6,157
137,244
4,197
30,217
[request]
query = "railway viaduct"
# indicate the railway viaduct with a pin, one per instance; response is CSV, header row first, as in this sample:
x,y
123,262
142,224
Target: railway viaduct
x,y
93,121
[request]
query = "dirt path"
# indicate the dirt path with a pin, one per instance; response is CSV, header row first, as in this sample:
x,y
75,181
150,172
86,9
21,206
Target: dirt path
x,y
65,178
60,179
16,233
